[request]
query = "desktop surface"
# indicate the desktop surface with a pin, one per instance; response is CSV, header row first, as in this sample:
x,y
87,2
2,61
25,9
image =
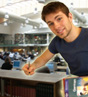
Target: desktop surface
x,y
43,77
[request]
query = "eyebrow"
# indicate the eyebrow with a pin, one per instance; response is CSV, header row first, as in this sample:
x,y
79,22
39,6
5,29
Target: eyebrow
x,y
57,16
48,22
54,18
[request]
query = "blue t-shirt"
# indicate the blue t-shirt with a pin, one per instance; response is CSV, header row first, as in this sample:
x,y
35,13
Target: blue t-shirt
x,y
75,53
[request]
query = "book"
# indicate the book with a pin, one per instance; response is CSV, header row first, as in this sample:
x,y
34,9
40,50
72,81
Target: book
x,y
44,90
76,86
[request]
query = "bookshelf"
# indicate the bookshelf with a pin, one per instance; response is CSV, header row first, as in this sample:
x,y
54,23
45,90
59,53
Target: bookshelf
x,y
17,84
19,39
26,39
1,39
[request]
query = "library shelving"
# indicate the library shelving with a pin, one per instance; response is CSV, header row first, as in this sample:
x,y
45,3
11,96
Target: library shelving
x,y
14,83
26,39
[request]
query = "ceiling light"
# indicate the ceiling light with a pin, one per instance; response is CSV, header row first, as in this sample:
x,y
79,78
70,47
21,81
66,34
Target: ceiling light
x,y
35,10
5,23
6,15
72,5
21,26
26,20
82,13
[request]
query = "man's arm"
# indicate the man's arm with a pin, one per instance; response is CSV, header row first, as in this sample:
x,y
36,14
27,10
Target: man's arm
x,y
40,61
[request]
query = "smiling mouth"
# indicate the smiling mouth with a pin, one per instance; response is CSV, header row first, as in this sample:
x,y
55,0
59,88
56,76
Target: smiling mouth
x,y
60,31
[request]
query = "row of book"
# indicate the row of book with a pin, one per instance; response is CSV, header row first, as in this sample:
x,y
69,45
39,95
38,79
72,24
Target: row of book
x,y
19,90
44,90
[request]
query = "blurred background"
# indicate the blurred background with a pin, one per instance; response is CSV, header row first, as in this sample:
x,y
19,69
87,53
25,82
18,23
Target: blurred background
x,y
24,36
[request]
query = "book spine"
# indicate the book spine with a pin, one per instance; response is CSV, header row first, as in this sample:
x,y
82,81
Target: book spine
x,y
66,88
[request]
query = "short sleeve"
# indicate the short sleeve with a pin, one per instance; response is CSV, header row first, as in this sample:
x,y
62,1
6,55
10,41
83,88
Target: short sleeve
x,y
52,46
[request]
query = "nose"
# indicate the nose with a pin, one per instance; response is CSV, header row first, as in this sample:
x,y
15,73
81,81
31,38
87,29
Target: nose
x,y
56,25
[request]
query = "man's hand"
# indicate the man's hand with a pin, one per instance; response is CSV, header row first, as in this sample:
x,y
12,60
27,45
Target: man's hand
x,y
40,61
28,70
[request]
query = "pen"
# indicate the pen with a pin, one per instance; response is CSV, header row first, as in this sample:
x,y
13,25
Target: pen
x,y
29,64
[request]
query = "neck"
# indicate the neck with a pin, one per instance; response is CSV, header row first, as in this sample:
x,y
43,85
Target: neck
x,y
74,33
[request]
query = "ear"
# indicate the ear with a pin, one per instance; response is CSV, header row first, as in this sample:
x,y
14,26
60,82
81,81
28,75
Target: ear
x,y
70,16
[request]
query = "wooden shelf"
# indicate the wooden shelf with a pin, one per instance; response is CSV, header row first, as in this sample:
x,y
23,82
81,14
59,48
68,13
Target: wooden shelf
x,y
46,81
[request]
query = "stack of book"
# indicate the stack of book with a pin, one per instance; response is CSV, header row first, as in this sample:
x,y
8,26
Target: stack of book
x,y
76,86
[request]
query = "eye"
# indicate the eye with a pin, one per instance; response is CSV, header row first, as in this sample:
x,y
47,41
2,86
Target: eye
x,y
59,19
50,24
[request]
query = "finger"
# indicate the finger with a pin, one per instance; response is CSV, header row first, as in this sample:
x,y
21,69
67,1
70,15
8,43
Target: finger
x,y
25,69
31,73
25,66
31,69
27,73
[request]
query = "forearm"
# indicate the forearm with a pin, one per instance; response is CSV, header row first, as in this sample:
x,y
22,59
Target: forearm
x,y
43,59
39,62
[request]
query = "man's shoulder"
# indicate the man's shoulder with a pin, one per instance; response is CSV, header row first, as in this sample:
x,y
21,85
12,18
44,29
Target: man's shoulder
x,y
56,38
84,29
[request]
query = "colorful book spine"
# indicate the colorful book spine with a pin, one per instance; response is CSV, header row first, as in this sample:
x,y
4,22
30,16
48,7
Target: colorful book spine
x,y
76,87
66,88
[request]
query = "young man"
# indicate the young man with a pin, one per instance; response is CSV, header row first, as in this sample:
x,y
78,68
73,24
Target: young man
x,y
70,41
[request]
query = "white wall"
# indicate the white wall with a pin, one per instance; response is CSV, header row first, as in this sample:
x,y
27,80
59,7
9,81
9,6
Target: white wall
x,y
15,28
4,29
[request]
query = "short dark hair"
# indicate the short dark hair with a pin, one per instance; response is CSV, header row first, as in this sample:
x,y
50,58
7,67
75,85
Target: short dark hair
x,y
53,7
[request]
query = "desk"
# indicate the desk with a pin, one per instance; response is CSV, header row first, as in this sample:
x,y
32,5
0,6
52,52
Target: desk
x,y
20,77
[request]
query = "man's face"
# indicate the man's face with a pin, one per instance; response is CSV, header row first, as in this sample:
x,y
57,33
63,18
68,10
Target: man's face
x,y
60,24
